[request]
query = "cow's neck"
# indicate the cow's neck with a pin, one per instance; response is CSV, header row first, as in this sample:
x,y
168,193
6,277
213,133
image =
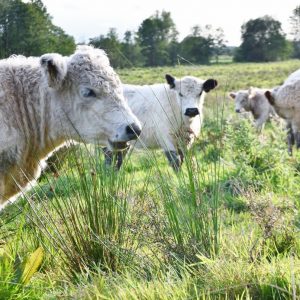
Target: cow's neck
x,y
51,127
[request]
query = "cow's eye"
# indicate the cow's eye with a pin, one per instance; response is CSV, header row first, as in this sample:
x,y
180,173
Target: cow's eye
x,y
88,93
180,95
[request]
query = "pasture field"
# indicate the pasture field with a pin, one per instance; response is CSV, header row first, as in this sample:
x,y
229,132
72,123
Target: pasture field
x,y
225,227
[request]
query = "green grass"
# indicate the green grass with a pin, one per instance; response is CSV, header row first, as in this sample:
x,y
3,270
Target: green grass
x,y
225,227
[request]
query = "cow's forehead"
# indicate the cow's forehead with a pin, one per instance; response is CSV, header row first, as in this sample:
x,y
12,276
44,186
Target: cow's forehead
x,y
92,69
190,85
241,95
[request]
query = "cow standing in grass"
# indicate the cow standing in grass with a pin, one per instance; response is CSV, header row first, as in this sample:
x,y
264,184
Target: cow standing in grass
x,y
286,101
171,115
47,101
254,101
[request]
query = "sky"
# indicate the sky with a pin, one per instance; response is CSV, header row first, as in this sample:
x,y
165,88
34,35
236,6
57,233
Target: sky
x,y
86,19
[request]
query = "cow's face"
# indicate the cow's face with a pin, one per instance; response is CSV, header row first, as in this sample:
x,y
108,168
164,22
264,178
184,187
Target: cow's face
x,y
91,97
190,93
242,101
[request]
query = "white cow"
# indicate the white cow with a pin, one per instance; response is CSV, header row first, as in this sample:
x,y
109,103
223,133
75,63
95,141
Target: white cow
x,y
47,101
170,113
253,100
286,101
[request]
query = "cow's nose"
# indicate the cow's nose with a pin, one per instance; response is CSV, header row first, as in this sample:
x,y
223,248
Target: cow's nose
x,y
191,112
133,131
237,110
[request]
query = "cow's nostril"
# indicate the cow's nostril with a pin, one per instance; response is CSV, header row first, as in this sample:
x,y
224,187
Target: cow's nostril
x,y
133,131
191,112
237,111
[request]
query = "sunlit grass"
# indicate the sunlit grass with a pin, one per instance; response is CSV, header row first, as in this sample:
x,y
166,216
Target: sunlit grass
x,y
225,227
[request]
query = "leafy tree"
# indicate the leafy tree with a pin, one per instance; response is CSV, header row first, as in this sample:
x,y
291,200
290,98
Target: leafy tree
x,y
217,36
131,50
263,40
154,36
111,44
26,28
196,48
295,22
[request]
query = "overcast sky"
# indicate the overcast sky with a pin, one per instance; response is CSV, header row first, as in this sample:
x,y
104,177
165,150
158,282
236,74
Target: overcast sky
x,y
84,19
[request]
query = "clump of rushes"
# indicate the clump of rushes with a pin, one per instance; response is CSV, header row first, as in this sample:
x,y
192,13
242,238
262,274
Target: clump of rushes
x,y
88,223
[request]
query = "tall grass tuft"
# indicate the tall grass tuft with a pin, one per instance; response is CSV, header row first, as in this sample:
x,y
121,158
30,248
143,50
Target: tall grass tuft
x,y
191,201
84,213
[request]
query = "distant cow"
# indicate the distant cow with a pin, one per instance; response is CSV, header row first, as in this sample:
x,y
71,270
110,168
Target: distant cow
x,y
170,114
286,101
47,101
254,101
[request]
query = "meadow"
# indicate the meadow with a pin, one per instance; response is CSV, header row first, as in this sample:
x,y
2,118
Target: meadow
x,y
225,227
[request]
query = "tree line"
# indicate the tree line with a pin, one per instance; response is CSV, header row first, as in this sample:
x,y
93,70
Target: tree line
x,y
27,28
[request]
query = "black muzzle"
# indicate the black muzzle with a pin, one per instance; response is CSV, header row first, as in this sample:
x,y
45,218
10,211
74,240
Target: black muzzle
x,y
191,112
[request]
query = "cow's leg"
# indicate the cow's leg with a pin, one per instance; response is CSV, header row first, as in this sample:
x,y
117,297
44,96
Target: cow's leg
x,y
259,125
181,155
290,138
120,155
119,158
174,159
108,157
297,139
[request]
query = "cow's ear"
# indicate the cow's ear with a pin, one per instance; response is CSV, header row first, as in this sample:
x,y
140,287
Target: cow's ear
x,y
270,98
55,69
170,80
209,84
232,95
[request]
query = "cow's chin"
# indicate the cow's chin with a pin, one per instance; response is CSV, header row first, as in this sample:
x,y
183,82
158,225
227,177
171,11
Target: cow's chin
x,y
118,145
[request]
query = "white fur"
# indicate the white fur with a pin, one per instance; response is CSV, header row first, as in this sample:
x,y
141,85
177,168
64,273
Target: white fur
x,y
161,109
253,100
42,106
286,100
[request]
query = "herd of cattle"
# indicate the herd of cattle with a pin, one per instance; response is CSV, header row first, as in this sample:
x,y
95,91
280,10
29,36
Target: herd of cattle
x,y
48,101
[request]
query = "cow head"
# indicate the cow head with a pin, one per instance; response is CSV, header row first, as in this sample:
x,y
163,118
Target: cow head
x,y
242,100
89,96
190,93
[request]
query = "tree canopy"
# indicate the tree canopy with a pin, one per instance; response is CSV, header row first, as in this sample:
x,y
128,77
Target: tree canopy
x,y
263,40
154,36
26,28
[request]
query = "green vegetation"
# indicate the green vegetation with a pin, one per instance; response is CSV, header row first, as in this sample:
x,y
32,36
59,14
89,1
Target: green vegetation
x,y
27,29
225,227
263,40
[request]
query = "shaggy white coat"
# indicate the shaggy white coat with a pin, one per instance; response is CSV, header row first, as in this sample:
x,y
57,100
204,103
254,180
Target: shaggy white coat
x,y
47,101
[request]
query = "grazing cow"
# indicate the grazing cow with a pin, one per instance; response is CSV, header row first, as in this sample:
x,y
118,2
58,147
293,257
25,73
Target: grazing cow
x,y
254,101
47,101
286,101
169,113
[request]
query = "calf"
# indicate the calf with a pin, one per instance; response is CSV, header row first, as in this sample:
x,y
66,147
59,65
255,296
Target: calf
x,y
254,101
169,113
47,101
